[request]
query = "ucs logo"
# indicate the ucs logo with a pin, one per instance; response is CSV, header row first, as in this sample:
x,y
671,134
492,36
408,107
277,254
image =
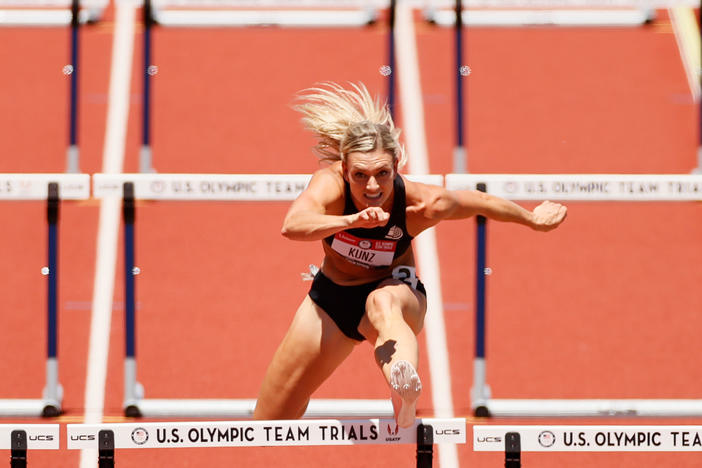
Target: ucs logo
x,y
490,439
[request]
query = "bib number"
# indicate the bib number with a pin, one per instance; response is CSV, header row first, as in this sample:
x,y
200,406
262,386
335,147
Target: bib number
x,y
406,274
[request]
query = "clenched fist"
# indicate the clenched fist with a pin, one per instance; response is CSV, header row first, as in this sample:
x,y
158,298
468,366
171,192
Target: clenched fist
x,y
548,216
369,218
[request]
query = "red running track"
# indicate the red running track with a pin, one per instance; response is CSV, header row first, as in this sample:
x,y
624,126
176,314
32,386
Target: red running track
x,y
604,307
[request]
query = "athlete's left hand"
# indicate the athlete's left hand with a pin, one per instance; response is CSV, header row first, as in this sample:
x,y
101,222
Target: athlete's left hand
x,y
548,216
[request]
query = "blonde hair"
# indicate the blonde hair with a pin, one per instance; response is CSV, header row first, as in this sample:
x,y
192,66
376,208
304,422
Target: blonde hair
x,y
347,121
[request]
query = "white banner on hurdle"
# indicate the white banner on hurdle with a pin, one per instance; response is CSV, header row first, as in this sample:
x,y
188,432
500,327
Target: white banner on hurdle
x,y
213,187
585,187
36,186
264,433
39,436
591,438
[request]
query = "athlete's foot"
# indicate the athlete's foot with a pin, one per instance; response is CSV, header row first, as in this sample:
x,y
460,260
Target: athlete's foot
x,y
406,389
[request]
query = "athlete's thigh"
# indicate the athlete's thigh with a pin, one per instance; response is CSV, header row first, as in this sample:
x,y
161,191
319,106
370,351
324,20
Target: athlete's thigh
x,y
412,303
312,348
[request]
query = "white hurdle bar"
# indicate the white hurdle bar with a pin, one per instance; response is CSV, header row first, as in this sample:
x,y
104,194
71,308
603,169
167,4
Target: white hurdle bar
x,y
235,188
424,433
26,187
551,17
595,438
578,187
296,14
283,433
32,13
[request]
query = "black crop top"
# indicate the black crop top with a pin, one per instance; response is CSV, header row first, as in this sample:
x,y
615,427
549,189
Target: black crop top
x,y
376,247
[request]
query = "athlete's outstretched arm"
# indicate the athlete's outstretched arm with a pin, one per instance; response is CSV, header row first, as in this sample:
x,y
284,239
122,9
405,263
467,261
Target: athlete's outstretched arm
x,y
440,203
309,219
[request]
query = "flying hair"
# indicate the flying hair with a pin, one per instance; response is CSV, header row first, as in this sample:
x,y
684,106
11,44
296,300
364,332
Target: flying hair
x,y
348,120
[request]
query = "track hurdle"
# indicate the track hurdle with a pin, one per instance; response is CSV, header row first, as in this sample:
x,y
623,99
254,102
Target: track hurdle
x,y
52,188
554,13
513,440
582,187
218,13
322,432
300,13
208,187
19,438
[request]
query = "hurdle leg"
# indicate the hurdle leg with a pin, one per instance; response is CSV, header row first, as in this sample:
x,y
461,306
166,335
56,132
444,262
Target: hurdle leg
x,y
425,445
18,451
480,392
513,450
52,391
106,449
133,392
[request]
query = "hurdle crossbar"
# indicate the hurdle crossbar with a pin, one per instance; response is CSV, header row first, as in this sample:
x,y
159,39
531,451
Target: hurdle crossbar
x,y
202,187
21,15
282,433
594,438
550,17
568,187
234,14
52,188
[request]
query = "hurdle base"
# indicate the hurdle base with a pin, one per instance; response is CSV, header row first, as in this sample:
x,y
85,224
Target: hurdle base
x,y
593,408
244,408
21,408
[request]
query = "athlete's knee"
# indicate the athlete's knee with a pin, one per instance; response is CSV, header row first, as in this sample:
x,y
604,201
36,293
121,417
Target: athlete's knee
x,y
382,308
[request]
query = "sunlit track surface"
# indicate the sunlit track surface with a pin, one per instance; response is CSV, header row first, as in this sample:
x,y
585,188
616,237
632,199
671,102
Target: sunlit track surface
x,y
613,287
34,126
210,319
576,313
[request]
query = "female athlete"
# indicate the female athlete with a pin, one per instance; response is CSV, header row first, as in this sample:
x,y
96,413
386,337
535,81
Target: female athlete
x,y
365,214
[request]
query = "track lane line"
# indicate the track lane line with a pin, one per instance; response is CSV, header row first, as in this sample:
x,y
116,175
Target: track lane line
x,y
427,257
108,227
687,36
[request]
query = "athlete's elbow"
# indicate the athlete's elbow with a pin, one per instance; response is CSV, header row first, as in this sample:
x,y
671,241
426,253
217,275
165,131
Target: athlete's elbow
x,y
289,232
293,232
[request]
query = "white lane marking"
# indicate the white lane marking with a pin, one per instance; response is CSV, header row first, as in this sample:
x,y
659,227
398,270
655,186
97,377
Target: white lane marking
x,y
106,257
687,36
413,123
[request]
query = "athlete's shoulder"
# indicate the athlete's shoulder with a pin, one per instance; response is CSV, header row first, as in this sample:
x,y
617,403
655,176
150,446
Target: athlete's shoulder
x,y
424,202
327,184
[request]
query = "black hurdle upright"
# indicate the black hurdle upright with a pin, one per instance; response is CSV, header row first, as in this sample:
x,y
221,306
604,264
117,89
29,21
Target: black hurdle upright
x,y
18,449
425,445
129,216
106,449
513,450
52,392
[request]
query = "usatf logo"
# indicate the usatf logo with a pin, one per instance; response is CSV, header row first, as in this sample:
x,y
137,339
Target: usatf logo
x,y
547,439
140,436
393,433
394,233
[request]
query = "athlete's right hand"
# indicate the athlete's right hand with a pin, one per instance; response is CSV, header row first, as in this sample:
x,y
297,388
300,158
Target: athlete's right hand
x,y
369,218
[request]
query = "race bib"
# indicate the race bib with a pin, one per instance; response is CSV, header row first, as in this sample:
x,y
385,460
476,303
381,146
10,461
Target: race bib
x,y
364,252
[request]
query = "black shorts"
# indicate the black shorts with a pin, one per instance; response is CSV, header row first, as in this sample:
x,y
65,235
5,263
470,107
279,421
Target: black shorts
x,y
345,305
